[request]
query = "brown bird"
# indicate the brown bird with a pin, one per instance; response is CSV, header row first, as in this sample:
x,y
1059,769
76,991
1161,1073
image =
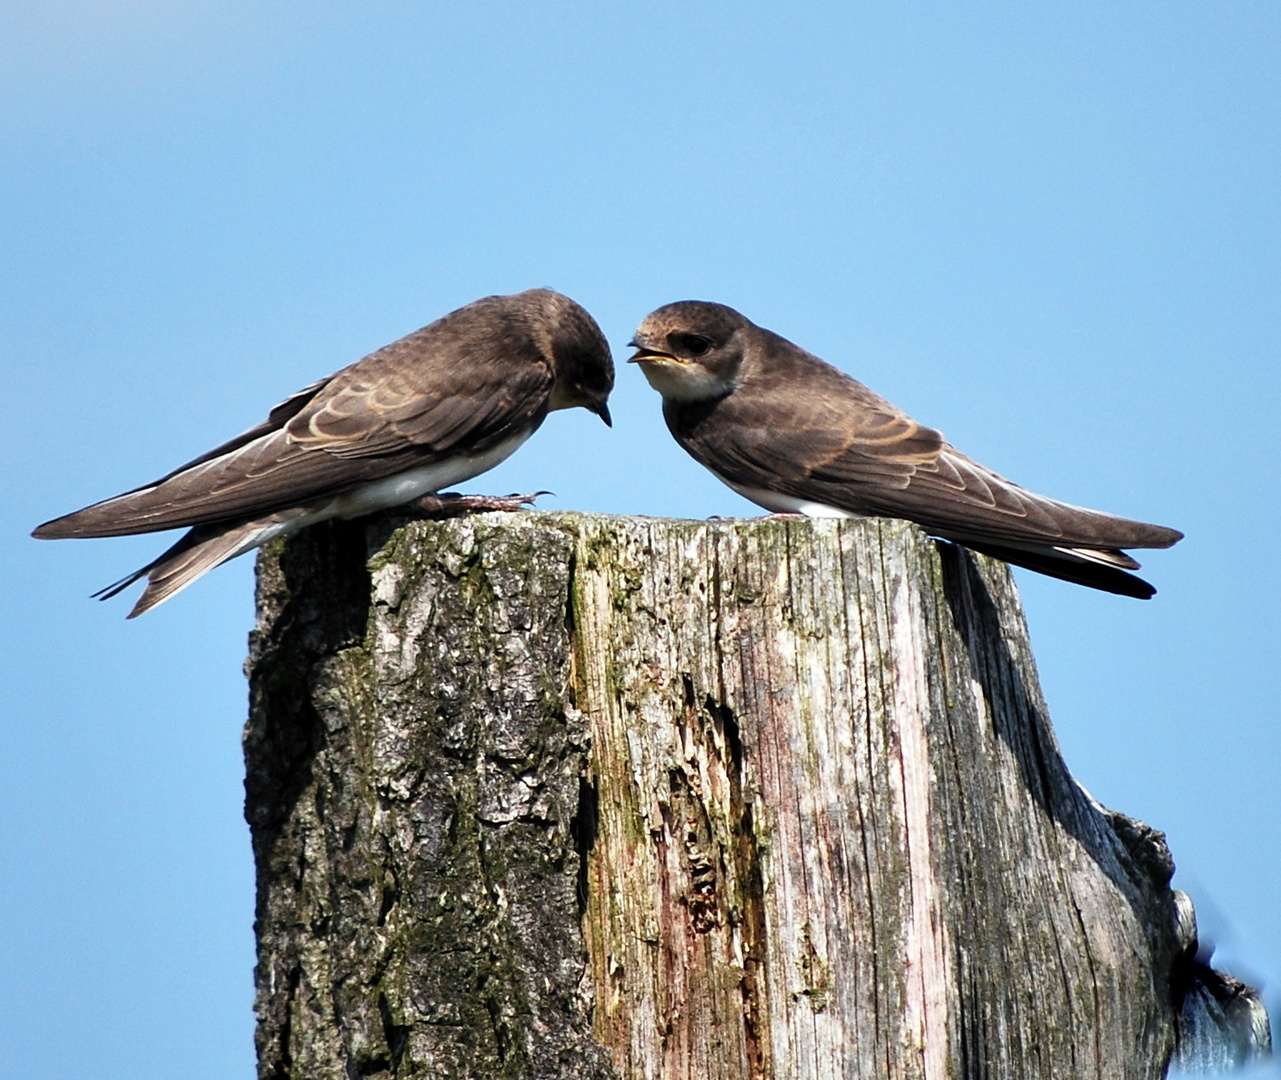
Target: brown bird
x,y
795,435
428,411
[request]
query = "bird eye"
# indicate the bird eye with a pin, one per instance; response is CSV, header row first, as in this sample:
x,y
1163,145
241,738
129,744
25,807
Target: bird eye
x,y
694,344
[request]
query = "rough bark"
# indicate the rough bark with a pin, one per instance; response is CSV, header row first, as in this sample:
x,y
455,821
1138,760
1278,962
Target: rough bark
x,y
540,795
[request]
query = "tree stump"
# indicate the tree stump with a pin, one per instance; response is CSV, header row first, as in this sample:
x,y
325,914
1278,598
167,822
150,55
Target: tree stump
x,y
560,795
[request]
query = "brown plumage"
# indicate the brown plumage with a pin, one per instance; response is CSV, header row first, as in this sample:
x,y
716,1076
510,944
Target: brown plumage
x,y
792,433
433,409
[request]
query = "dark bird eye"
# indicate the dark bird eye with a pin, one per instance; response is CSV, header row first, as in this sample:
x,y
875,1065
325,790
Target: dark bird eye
x,y
694,344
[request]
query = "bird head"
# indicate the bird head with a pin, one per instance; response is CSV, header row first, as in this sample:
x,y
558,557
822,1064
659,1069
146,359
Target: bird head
x,y
692,350
580,355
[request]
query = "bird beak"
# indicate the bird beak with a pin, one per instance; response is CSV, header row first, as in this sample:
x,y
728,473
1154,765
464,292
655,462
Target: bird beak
x,y
601,409
649,356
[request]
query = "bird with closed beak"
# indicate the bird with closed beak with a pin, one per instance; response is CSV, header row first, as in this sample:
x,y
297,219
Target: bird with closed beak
x,y
436,408
794,434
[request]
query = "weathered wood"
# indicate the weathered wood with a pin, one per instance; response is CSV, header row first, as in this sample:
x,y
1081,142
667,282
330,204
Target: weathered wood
x,y
544,795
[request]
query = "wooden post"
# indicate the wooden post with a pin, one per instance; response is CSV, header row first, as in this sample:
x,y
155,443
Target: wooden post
x,y
560,795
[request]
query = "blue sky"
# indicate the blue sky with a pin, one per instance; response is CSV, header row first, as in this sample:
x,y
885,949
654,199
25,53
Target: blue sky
x,y
1050,230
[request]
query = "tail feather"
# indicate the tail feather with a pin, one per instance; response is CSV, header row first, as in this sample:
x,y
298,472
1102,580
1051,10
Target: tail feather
x,y
114,589
1069,566
1113,557
198,552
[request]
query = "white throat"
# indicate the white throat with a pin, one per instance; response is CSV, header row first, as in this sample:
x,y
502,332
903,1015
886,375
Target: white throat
x,y
684,382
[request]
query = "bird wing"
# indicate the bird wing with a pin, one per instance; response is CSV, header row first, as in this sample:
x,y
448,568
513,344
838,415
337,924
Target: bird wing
x,y
825,438
437,393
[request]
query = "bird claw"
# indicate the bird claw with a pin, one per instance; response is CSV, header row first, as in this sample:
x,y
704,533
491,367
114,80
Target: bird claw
x,y
450,504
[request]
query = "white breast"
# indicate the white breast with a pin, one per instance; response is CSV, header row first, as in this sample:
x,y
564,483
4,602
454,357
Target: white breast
x,y
778,503
401,488
395,490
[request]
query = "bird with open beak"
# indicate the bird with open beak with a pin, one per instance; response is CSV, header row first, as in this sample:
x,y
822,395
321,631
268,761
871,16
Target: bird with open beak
x,y
436,408
794,434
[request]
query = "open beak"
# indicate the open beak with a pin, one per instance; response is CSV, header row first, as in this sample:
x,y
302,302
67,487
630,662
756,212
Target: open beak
x,y
648,356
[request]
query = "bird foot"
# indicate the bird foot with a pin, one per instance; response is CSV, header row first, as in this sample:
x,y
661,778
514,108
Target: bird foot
x,y
449,504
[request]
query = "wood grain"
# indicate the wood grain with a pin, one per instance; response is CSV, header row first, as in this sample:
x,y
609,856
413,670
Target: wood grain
x,y
836,837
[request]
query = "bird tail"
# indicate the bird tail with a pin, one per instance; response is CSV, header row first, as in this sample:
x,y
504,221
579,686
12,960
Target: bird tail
x,y
1098,569
198,552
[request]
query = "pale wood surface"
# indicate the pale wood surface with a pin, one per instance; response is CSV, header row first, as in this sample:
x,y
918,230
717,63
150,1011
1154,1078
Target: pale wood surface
x,y
836,837
553,795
